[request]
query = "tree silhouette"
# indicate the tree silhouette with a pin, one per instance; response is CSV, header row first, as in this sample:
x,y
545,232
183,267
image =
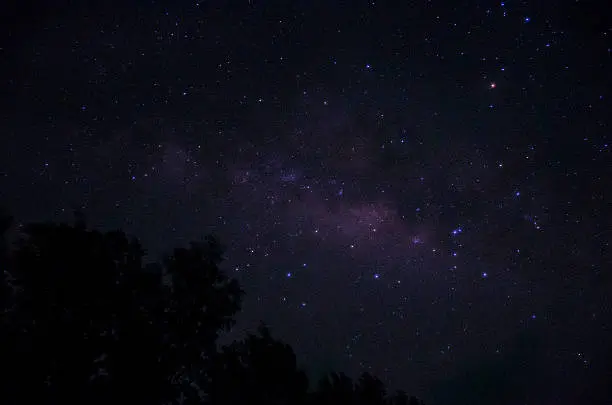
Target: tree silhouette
x,y
5,290
92,324
85,321
401,398
340,389
370,390
336,388
258,370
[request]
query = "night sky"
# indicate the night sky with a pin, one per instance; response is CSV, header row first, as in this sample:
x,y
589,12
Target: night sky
x,y
421,190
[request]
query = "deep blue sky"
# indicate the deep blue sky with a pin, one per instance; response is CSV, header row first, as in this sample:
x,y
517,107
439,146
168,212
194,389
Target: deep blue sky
x,y
416,189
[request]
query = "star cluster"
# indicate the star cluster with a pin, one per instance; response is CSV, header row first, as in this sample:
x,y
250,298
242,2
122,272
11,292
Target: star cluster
x,y
419,190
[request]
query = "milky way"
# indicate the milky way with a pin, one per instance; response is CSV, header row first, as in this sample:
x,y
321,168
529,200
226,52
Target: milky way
x,y
420,191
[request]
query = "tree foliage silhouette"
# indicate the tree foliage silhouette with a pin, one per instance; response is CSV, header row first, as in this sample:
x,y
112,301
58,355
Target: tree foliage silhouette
x,y
258,370
337,389
5,289
91,323
84,320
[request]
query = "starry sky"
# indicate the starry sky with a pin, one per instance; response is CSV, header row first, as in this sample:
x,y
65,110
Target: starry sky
x,y
420,189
